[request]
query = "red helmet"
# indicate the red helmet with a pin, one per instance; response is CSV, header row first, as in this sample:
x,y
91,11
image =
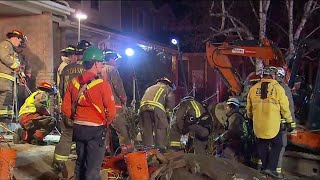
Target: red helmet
x,y
45,86
15,33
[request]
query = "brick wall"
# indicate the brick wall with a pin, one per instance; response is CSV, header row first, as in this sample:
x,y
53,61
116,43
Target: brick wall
x,y
39,51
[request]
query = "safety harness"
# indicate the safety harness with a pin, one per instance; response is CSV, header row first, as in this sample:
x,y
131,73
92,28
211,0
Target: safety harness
x,y
83,94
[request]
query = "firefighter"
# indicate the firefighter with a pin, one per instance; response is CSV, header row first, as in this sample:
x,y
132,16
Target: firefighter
x,y
89,103
235,137
69,55
82,46
111,74
193,118
34,115
267,103
9,65
157,101
65,145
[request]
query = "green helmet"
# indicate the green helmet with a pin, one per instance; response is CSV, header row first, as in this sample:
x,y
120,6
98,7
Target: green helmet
x,y
93,54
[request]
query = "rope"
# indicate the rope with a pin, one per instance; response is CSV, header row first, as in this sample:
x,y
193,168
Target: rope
x,y
5,128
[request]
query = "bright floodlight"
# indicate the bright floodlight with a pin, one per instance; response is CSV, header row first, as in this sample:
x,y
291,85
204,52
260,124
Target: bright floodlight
x,y
174,41
129,52
81,16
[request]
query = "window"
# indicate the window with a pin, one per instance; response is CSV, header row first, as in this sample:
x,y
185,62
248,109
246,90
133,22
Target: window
x,y
95,4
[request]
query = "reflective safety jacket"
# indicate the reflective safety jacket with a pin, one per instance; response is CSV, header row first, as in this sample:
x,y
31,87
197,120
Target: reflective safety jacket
x,y
159,96
111,74
69,72
191,110
34,101
9,61
267,112
63,64
95,105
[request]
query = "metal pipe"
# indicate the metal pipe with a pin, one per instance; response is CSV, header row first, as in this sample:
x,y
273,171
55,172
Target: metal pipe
x,y
79,29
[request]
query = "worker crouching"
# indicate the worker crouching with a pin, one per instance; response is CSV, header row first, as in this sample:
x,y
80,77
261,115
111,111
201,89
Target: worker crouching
x,y
34,115
193,118
236,136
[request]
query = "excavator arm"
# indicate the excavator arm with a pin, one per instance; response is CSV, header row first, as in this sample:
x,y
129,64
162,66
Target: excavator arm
x,y
218,58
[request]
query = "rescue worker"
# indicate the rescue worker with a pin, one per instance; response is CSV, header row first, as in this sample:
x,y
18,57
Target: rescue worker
x,y
65,144
157,101
82,46
267,103
34,115
193,118
111,74
281,80
235,137
9,65
89,103
69,55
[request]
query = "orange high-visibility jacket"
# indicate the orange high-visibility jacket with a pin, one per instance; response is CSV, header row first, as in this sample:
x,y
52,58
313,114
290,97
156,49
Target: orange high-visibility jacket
x,y
100,95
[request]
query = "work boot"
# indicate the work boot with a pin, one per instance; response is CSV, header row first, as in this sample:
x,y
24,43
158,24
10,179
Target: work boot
x,y
273,174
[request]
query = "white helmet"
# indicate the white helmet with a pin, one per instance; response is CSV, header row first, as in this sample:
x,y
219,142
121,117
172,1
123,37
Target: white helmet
x,y
270,70
233,101
281,72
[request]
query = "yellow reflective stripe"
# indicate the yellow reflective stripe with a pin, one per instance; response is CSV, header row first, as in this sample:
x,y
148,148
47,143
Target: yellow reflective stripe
x,y
175,144
97,108
278,170
157,96
60,157
15,65
73,146
196,108
9,112
7,76
93,83
157,104
90,85
76,83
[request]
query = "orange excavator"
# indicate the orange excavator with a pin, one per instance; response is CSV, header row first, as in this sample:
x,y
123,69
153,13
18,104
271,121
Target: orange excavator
x,y
219,57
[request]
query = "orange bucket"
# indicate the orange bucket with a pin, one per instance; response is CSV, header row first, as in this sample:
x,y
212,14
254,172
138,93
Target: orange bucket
x,y
137,165
7,161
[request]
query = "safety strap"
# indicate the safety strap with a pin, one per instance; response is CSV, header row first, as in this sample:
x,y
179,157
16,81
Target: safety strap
x,y
85,86
75,103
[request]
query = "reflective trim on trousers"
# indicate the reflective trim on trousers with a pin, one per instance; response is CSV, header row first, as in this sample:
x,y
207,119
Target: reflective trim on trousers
x,y
60,157
6,112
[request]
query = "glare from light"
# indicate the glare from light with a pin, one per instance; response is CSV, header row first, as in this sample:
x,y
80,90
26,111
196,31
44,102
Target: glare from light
x,y
81,16
174,41
129,52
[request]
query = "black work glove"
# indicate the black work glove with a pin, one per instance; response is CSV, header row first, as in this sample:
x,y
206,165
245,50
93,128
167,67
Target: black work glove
x,y
290,126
